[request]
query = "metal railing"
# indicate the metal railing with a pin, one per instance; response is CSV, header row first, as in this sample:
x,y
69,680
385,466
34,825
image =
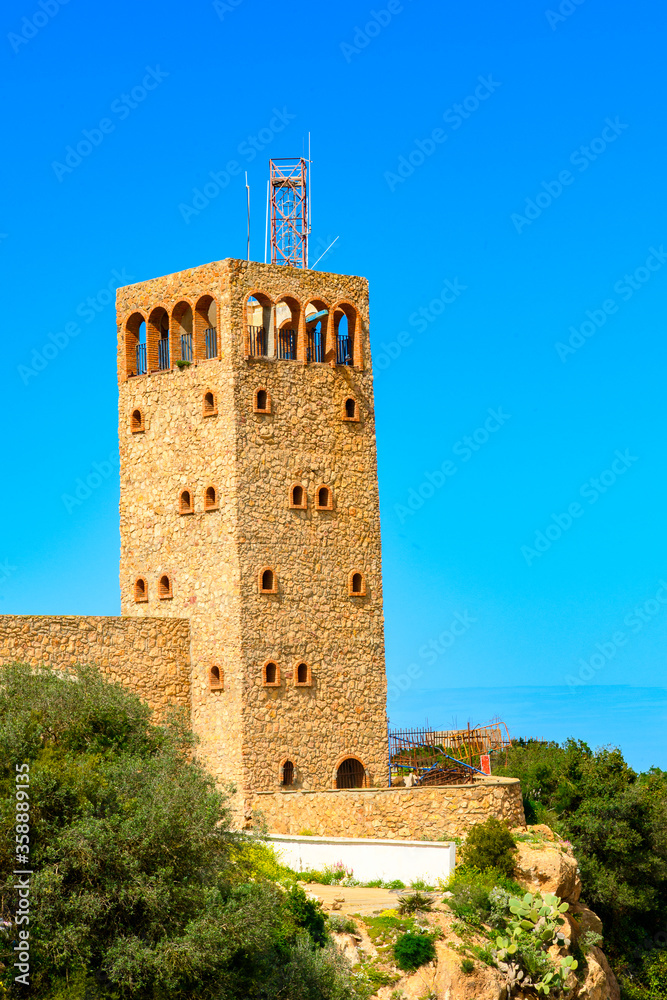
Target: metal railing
x,y
287,345
211,342
141,359
257,341
186,347
315,346
163,354
344,351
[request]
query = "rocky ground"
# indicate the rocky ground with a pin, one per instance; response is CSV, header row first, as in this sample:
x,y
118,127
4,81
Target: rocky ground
x,y
544,863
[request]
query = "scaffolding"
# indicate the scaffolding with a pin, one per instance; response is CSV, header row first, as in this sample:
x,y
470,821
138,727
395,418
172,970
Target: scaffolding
x,y
289,211
432,757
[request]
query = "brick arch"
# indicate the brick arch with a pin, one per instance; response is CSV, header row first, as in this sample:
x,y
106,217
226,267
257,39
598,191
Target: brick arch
x,y
182,330
202,321
296,322
157,325
351,757
255,320
285,759
345,308
131,327
326,327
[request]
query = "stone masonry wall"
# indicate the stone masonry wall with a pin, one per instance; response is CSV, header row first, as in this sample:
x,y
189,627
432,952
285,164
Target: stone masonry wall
x,y
437,812
214,557
149,655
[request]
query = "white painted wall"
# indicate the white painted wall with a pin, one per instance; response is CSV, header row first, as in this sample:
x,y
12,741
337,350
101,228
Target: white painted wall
x,y
407,860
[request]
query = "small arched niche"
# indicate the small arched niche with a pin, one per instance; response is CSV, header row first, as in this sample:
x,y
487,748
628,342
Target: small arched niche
x,y
302,675
216,679
262,401
137,425
185,503
350,773
287,773
271,674
210,498
298,497
210,404
268,583
323,498
164,590
356,584
350,409
140,590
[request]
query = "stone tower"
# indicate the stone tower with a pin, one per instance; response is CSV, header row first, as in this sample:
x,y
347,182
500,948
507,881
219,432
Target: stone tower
x,y
249,505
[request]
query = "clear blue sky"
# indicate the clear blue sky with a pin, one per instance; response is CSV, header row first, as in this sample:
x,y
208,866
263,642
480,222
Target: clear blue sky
x,y
518,155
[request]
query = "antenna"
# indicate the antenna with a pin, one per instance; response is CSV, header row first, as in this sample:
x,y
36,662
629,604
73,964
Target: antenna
x,y
310,198
289,211
247,187
266,228
322,254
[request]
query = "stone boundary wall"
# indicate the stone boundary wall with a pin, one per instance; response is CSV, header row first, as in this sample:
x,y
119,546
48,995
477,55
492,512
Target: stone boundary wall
x,y
149,655
438,812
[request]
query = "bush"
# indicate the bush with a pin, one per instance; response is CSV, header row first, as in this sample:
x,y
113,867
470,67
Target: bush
x,y
467,966
490,845
412,950
479,896
415,902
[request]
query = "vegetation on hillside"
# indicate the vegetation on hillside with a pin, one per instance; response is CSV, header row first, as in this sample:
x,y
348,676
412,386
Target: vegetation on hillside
x,y
139,887
616,820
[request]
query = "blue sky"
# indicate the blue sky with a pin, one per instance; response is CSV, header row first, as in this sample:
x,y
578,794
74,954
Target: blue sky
x,y
497,172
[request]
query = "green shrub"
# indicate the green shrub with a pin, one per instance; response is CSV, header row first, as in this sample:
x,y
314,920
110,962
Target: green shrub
x,y
490,845
415,902
479,896
412,950
338,924
467,966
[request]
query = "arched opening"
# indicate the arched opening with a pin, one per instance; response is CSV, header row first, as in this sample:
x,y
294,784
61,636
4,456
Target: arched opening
x,y
271,674
135,345
257,325
183,331
287,774
262,401
215,679
298,497
302,674
140,590
287,329
206,328
210,405
357,586
268,581
317,316
158,340
345,335
210,498
350,774
164,587
324,498
137,422
185,505
351,409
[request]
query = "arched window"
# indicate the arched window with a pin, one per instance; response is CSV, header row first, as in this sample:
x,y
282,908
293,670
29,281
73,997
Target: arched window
x,y
350,774
210,404
210,498
351,410
356,586
267,582
262,401
183,333
257,325
302,677
271,674
287,328
324,498
345,335
164,588
215,679
185,505
158,340
206,328
137,422
287,774
298,497
317,315
140,590
135,345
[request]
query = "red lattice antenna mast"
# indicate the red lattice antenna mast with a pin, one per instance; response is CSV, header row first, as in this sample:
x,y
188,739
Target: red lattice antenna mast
x,y
289,212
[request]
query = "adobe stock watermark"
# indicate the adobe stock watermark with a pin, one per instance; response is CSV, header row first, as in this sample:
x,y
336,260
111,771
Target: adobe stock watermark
x,y
465,449
87,310
31,26
362,38
454,117
431,652
625,287
83,489
223,7
420,319
582,157
248,149
22,872
635,621
122,107
565,9
591,490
